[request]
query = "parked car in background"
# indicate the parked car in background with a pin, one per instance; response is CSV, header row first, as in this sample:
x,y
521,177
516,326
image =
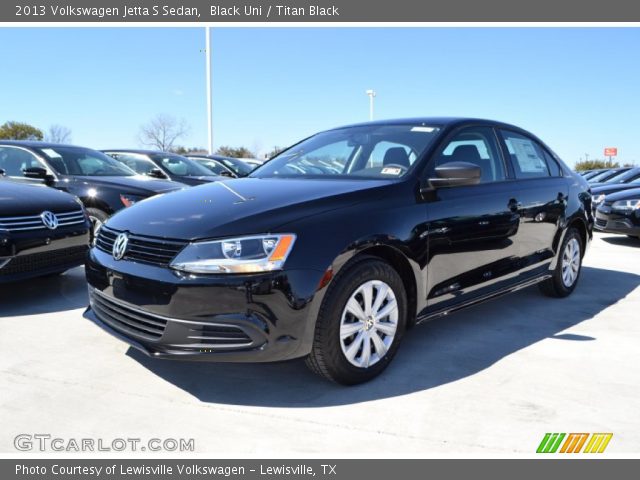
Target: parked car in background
x,y
336,246
164,165
620,213
592,173
219,164
103,185
606,175
254,162
624,181
42,231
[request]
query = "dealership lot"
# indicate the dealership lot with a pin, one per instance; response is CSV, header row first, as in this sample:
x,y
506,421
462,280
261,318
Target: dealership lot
x,y
493,378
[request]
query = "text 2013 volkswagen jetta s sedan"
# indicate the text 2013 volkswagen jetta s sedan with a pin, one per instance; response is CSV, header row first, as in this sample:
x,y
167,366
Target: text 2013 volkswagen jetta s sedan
x,y
338,245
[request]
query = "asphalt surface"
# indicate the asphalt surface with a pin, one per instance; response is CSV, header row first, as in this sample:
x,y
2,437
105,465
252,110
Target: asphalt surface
x,y
491,379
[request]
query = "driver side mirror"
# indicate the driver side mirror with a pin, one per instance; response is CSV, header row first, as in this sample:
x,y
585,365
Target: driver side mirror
x,y
39,173
2,172
226,173
455,174
156,173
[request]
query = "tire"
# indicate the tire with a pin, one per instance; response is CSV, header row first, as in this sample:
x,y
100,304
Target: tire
x,y
97,217
559,285
328,356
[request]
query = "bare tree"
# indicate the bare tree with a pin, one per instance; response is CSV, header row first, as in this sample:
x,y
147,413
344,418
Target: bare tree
x,y
162,132
58,134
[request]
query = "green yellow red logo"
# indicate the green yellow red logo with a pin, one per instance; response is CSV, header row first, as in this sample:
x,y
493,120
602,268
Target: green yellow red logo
x,y
574,443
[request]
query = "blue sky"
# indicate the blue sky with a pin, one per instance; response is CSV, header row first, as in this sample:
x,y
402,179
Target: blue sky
x,y
577,88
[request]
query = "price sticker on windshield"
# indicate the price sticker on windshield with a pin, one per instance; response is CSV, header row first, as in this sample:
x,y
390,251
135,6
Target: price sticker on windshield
x,y
391,171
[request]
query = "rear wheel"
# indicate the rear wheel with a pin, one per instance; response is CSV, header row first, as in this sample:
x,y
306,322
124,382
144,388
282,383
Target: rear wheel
x,y
565,276
361,323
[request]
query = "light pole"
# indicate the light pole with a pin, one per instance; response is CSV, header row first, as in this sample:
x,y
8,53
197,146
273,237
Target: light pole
x,y
207,51
371,94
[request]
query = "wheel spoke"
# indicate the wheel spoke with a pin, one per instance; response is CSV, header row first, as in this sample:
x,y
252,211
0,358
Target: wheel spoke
x,y
354,308
378,344
387,310
348,329
387,328
366,351
352,350
367,295
380,296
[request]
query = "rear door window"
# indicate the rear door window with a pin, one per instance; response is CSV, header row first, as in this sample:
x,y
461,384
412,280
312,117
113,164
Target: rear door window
x,y
527,157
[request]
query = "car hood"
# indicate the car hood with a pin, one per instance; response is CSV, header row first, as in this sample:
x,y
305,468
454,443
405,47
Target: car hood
x,y
241,206
136,184
18,199
612,188
631,193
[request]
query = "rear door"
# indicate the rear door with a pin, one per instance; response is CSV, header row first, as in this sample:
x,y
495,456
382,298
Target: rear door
x,y
540,198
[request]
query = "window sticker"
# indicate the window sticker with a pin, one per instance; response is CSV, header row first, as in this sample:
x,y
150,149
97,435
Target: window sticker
x,y
528,158
391,171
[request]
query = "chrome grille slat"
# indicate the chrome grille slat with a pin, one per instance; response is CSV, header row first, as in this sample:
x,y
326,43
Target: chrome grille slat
x,y
156,251
34,222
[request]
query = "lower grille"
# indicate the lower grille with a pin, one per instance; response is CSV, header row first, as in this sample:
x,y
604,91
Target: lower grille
x,y
127,319
44,261
601,222
216,335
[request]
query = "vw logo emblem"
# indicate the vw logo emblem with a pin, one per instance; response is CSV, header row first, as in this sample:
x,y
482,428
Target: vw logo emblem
x,y
120,246
49,219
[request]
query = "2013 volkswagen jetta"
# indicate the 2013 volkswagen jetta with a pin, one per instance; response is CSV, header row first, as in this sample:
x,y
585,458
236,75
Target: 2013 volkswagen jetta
x,y
338,245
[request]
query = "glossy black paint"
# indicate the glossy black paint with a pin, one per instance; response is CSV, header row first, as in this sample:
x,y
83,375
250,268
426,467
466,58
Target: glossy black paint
x,y
612,220
40,251
102,193
452,246
153,156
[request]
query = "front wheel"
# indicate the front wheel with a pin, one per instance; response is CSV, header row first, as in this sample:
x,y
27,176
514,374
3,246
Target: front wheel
x,y
567,271
360,324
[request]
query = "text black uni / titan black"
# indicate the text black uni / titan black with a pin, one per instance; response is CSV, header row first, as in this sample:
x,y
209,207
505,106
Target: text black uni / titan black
x,y
339,245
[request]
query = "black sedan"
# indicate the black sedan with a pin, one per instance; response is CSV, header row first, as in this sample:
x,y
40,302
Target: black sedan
x,y
626,180
42,231
164,165
607,175
620,213
338,245
220,165
104,185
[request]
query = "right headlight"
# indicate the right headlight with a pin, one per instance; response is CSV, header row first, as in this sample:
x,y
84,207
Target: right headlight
x,y
598,199
248,254
626,205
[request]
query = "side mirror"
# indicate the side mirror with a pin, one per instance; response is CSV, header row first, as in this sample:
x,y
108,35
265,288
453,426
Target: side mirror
x,y
156,173
39,173
455,174
226,173
2,172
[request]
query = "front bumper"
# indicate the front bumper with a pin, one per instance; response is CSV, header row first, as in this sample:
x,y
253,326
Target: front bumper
x,y
612,221
32,254
225,318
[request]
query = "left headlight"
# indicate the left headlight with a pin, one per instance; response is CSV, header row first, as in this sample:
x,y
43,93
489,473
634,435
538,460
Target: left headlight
x,y
251,254
626,205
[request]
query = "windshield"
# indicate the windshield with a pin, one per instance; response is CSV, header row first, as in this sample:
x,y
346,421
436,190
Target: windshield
x,y
180,166
371,151
82,161
604,176
618,177
238,166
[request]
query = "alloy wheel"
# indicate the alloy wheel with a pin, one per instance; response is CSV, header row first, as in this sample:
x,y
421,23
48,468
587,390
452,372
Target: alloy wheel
x,y
571,262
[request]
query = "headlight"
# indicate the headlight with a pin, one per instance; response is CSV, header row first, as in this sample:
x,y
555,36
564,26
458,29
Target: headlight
x,y
598,199
128,200
253,254
626,205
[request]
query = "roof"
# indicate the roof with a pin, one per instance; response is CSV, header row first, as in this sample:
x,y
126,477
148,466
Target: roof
x,y
38,144
443,121
139,150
